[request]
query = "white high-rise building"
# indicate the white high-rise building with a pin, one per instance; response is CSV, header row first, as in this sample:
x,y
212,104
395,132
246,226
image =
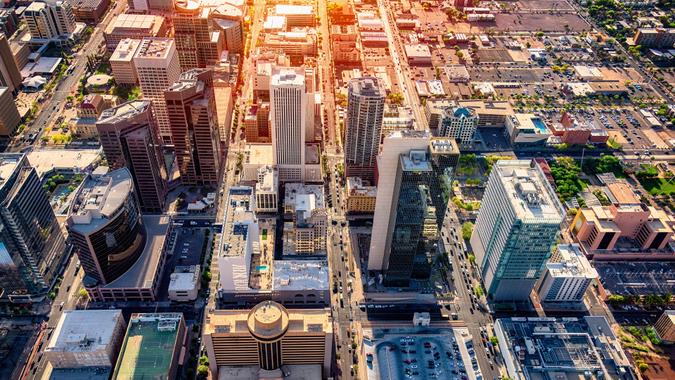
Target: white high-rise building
x,y
157,68
288,100
49,19
567,276
393,146
460,123
518,223
267,190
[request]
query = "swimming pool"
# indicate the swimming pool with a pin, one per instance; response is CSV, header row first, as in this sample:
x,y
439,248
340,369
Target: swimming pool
x,y
262,268
539,124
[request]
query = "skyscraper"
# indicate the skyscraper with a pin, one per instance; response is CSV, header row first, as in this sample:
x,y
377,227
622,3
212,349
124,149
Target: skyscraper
x,y
288,107
129,138
31,242
191,108
415,171
365,109
9,115
157,68
517,226
104,224
10,76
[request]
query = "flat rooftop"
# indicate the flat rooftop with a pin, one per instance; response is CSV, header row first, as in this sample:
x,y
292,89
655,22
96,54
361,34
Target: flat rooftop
x,y
295,195
259,154
637,277
300,274
571,262
124,111
287,76
528,191
84,330
288,9
296,372
367,86
142,274
44,160
155,48
566,348
99,198
299,320
148,347
184,278
8,164
135,22
125,50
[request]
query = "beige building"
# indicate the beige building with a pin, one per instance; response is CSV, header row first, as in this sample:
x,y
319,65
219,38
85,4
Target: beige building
x,y
267,337
306,218
490,114
9,115
665,326
122,61
135,26
299,43
157,68
360,198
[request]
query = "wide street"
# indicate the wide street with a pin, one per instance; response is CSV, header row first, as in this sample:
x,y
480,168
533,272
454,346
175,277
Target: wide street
x,y
49,110
467,306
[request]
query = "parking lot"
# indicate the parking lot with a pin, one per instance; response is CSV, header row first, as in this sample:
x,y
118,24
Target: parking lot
x,y
425,357
184,248
637,278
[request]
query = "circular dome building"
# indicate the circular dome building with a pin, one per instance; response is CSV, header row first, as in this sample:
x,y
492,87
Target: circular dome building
x,y
268,322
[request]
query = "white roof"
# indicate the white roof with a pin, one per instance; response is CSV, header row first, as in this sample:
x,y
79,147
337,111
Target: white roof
x,y
287,9
85,330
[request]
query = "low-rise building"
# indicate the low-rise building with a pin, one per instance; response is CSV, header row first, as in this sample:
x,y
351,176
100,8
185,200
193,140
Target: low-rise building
x,y
568,275
418,54
296,15
527,129
655,37
267,337
665,326
86,338
90,11
295,43
134,26
599,229
360,198
491,114
306,218
184,283
152,347
267,190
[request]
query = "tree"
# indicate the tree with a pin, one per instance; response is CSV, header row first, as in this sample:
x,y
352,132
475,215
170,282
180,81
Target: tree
x,y
472,259
494,340
643,367
204,360
83,294
395,98
202,371
467,229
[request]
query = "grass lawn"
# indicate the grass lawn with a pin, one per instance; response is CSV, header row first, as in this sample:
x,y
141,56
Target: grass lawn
x,y
658,186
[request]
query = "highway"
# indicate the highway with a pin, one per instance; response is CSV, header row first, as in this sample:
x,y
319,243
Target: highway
x,y
398,57
51,108
469,308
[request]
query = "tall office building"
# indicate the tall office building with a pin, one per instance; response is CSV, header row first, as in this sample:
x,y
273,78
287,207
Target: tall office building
x,y
10,76
517,226
288,107
459,123
129,139
191,108
365,110
9,115
408,217
157,68
105,227
50,19
31,242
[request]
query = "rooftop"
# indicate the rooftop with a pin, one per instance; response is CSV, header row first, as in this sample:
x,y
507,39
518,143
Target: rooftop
x,y
287,77
134,21
184,277
292,372
84,330
99,198
571,262
44,160
300,274
144,271
8,163
416,160
355,186
417,51
530,194
566,348
124,111
367,86
299,320
125,50
636,278
261,154
155,48
149,345
287,9
303,198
